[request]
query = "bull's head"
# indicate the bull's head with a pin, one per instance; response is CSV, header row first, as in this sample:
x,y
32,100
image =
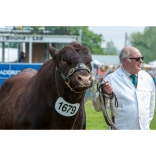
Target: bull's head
x,y
74,62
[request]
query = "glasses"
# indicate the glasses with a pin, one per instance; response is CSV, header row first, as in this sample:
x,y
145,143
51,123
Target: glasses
x,y
137,58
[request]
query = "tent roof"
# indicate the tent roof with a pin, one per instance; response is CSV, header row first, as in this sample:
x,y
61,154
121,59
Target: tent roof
x,y
153,62
148,65
107,59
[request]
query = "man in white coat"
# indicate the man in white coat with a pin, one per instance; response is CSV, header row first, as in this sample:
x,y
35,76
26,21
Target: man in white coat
x,y
135,92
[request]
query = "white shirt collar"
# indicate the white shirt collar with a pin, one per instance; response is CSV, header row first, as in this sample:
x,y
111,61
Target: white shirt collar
x,y
126,72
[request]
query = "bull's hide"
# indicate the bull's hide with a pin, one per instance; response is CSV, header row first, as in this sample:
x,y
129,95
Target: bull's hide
x,y
29,100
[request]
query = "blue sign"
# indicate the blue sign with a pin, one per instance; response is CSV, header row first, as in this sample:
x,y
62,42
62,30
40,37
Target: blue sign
x,y
8,70
4,68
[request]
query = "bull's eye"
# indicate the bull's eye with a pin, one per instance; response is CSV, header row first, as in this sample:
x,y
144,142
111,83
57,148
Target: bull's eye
x,y
63,60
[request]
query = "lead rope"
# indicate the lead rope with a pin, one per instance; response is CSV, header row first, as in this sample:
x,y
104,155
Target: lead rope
x,y
106,117
103,107
112,112
59,96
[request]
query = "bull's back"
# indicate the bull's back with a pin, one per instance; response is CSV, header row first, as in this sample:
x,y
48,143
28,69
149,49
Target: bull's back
x,y
10,90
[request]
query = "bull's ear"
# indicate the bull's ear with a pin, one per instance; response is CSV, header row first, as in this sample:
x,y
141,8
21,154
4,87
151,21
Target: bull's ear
x,y
54,54
52,50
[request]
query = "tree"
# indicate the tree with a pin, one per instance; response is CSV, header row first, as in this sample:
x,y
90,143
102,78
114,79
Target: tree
x,y
145,42
89,39
110,48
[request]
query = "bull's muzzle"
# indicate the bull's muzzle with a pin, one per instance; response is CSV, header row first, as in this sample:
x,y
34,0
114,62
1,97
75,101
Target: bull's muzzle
x,y
84,81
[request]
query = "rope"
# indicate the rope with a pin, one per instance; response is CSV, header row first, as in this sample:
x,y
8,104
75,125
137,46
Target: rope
x,y
103,106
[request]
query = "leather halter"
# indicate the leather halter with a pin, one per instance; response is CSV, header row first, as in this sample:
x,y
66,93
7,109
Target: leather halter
x,y
67,77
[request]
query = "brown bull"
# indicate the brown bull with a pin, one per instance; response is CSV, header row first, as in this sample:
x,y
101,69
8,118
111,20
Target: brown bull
x,y
48,99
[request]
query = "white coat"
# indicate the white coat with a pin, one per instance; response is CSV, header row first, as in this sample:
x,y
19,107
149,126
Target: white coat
x,y
136,105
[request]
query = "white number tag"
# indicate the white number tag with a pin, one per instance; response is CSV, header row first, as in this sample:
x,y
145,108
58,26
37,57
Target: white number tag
x,y
66,109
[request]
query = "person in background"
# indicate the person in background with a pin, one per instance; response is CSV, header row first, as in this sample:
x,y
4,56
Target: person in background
x,y
21,57
150,71
154,77
109,71
135,92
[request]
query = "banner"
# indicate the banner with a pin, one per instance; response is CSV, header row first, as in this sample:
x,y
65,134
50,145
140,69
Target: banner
x,y
8,70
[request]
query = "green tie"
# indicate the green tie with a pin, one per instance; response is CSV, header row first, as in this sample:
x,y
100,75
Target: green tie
x,y
134,79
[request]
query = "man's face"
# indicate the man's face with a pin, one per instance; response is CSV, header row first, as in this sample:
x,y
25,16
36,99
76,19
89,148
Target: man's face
x,y
134,66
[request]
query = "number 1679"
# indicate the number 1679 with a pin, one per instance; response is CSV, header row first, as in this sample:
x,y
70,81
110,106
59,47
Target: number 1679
x,y
67,108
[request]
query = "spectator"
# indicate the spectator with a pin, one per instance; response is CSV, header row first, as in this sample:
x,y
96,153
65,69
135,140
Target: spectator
x,y
154,77
150,71
21,57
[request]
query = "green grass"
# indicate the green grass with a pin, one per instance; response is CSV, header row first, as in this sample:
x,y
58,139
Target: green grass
x,y
153,122
96,121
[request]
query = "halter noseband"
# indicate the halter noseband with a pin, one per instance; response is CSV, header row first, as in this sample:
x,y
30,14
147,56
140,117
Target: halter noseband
x,y
67,77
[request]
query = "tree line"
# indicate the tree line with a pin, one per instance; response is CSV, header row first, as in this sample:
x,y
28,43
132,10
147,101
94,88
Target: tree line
x,y
145,42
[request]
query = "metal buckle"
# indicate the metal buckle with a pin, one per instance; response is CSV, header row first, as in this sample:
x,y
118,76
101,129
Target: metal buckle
x,y
71,71
67,80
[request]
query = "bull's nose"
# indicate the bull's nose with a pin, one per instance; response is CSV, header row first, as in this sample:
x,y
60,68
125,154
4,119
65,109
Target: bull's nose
x,y
84,80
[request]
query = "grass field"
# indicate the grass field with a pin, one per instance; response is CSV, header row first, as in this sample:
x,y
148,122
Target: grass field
x,y
153,122
96,121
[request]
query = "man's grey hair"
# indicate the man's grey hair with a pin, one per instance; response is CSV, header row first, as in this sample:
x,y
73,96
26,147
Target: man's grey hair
x,y
124,54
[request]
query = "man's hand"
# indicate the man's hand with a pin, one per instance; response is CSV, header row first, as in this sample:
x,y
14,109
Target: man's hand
x,y
107,88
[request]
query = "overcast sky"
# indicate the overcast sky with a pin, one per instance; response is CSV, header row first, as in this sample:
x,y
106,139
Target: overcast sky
x,y
115,33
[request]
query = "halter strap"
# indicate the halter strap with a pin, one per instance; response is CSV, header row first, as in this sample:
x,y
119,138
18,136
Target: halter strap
x,y
67,78
78,67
